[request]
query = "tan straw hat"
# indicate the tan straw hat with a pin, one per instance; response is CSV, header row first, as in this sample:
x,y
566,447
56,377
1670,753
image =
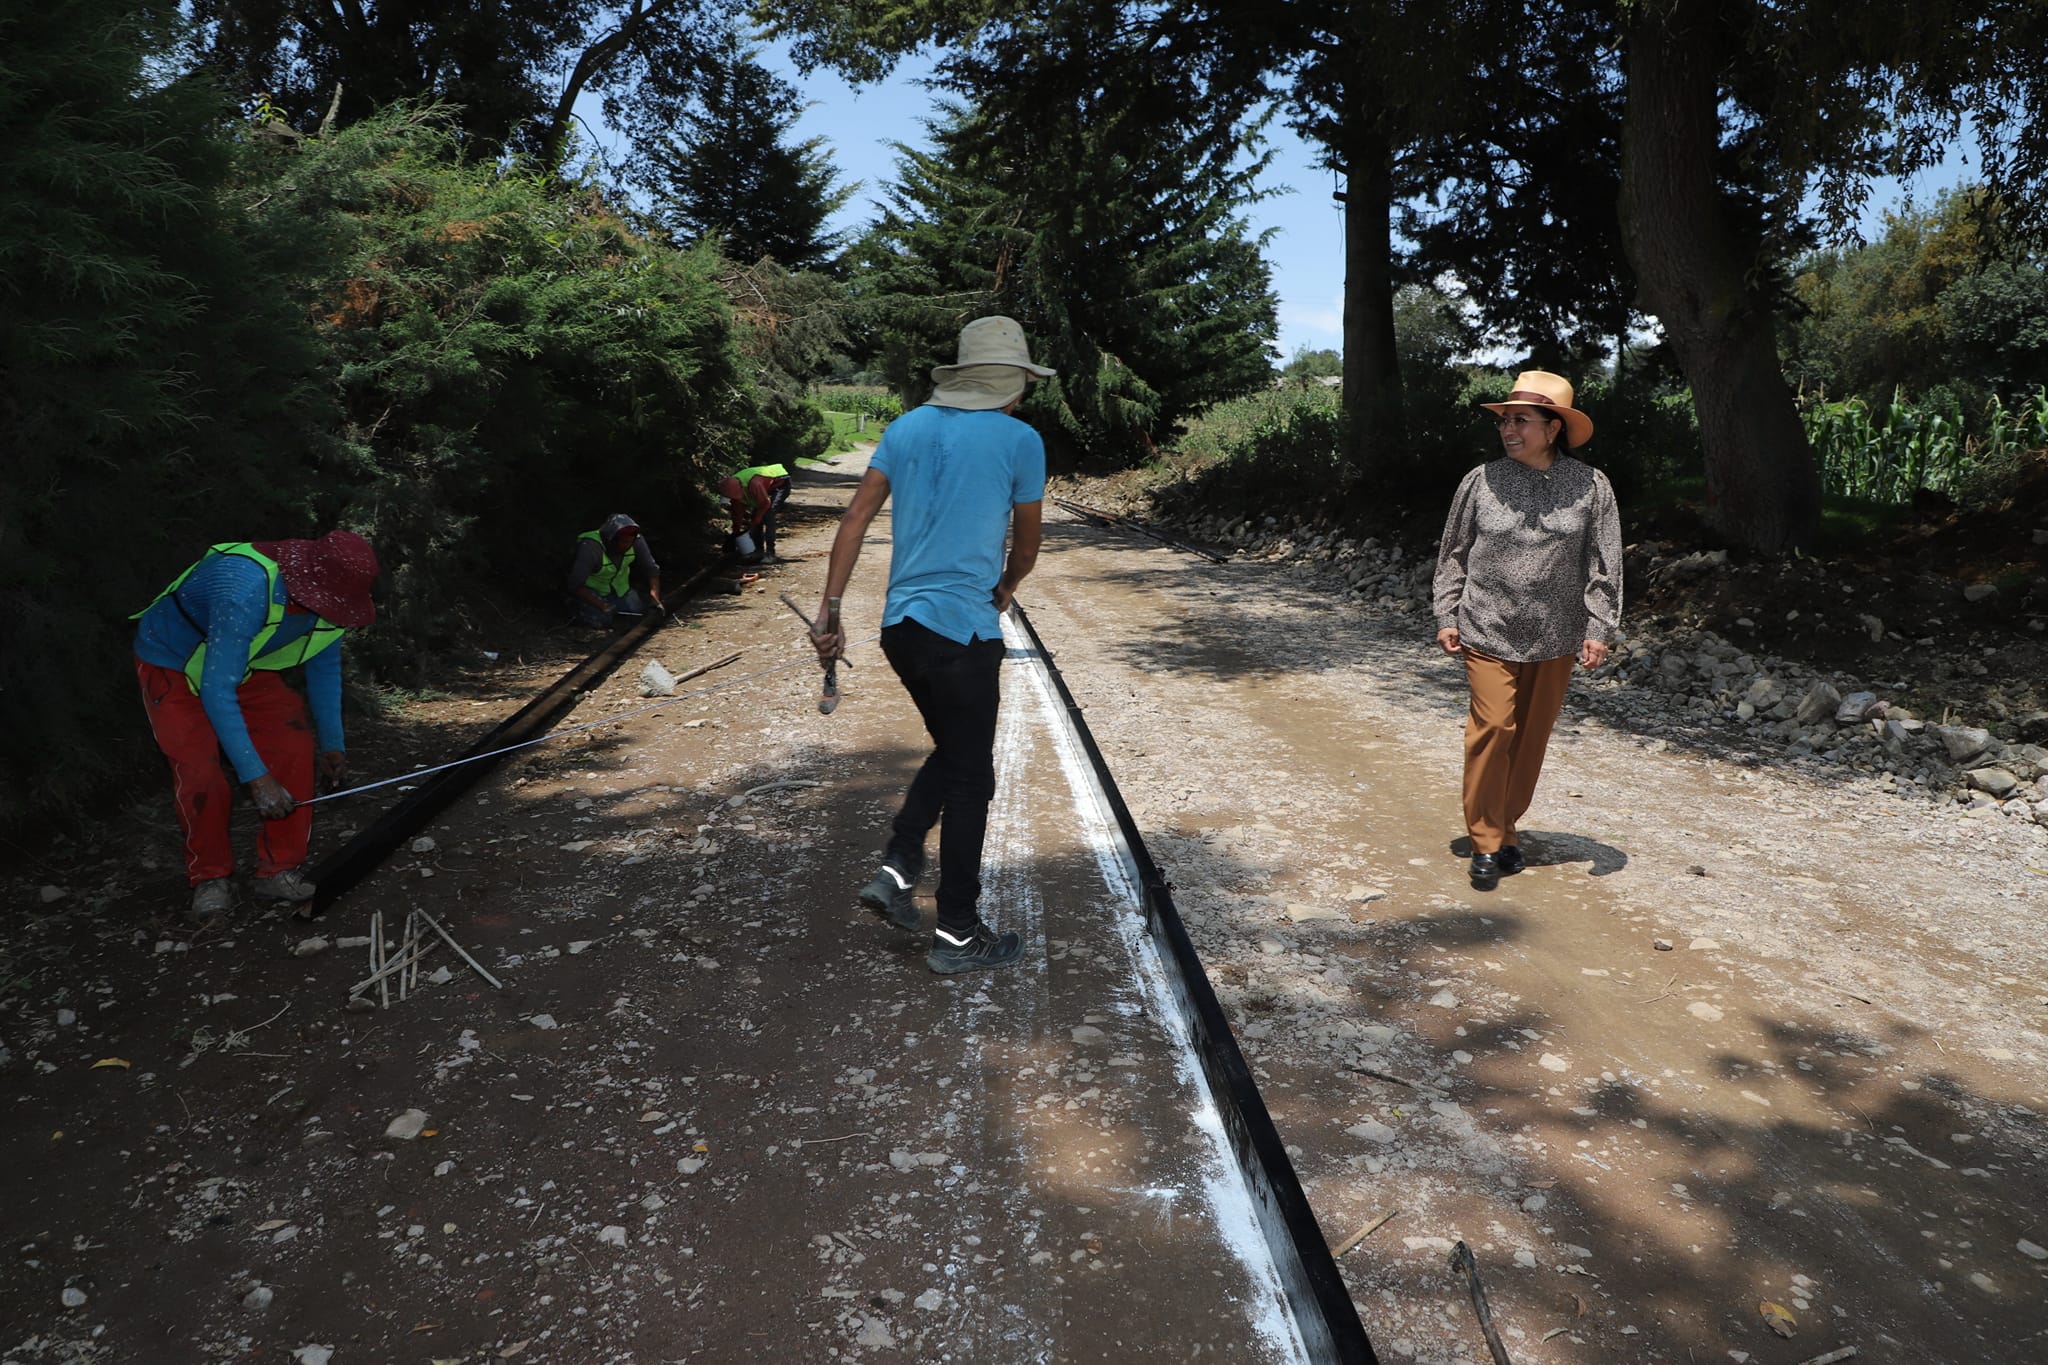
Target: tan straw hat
x,y
990,370
1542,389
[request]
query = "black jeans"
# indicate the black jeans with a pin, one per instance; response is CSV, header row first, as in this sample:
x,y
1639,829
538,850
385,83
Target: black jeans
x,y
958,690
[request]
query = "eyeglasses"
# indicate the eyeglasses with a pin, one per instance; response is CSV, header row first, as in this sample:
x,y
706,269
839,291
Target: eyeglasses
x,y
1519,420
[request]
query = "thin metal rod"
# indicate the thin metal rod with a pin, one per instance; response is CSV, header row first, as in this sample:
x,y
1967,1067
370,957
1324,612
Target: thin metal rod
x,y
573,730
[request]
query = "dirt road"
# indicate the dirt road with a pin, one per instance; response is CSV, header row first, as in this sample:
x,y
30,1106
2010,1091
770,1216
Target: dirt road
x,y
1740,1036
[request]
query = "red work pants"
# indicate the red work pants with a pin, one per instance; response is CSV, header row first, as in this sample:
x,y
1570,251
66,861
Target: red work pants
x,y
1514,706
276,716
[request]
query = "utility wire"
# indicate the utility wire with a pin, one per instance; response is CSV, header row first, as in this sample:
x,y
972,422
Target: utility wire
x,y
577,729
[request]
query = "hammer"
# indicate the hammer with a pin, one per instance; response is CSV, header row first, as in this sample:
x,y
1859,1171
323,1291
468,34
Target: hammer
x,y
828,700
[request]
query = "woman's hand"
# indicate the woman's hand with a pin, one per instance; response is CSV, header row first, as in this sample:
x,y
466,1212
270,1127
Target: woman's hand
x,y
1592,653
1448,638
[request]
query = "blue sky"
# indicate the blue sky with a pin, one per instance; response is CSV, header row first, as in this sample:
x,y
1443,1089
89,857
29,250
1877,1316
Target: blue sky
x,y
1306,250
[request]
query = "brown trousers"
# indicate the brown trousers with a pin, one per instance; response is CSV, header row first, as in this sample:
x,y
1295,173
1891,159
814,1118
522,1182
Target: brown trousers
x,y
1514,706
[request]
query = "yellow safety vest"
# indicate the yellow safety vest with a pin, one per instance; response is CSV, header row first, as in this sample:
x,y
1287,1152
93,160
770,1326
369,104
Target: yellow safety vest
x,y
610,580
323,633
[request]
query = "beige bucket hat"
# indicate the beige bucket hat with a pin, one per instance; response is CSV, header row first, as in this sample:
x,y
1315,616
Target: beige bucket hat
x,y
990,369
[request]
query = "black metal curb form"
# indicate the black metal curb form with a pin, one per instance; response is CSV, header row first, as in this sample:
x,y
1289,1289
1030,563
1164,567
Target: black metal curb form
x,y
336,874
1329,1322
1102,518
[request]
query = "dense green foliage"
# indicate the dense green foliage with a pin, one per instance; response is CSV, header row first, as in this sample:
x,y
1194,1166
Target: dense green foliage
x,y
1947,298
1887,453
860,401
156,372
218,331
513,362
512,70
1308,364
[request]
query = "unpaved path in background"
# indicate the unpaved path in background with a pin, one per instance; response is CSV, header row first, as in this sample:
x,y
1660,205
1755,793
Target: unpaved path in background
x,y
1738,1035
1826,1094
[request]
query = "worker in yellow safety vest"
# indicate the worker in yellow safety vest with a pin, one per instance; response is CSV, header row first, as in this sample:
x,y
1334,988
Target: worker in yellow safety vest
x,y
612,565
753,496
210,653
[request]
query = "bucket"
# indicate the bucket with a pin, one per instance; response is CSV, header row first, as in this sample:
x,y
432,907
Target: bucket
x,y
743,544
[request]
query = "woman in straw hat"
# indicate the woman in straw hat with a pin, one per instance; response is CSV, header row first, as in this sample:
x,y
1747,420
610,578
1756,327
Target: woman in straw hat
x,y
1528,582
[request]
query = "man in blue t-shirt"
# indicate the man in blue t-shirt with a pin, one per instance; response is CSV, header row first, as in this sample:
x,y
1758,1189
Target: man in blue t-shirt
x,y
963,473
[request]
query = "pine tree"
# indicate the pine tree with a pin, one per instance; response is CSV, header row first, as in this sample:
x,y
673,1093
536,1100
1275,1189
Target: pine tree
x,y
1097,201
730,171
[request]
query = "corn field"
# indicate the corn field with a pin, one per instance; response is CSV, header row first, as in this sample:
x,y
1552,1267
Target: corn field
x,y
859,399
1887,455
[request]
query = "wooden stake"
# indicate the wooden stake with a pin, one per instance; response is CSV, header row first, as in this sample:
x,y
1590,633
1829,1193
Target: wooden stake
x,y
476,966
377,937
1368,1230
1463,1263
1830,1357
383,975
404,952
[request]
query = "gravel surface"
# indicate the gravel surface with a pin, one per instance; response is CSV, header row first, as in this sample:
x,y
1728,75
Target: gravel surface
x,y
1754,1047
1761,1024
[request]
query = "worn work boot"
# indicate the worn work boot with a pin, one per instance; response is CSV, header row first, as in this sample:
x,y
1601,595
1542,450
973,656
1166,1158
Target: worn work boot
x,y
289,886
980,950
210,904
890,896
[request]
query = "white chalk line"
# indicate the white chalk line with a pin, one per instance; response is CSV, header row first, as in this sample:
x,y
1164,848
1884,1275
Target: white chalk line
x,y
1223,1187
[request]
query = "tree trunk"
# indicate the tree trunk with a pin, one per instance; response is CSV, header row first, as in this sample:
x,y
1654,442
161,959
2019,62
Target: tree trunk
x,y
1763,490
1373,418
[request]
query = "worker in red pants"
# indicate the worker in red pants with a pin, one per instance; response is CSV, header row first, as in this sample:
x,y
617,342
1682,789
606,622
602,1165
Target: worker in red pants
x,y
210,653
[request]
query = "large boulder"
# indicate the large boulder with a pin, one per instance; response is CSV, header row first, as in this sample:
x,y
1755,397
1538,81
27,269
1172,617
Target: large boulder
x,y
1963,742
1819,703
1765,693
1994,782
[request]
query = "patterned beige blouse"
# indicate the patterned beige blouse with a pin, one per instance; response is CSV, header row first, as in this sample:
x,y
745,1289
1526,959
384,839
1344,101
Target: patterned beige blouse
x,y
1531,560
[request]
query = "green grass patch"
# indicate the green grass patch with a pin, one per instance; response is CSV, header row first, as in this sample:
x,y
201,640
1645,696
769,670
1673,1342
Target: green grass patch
x,y
851,430
1850,523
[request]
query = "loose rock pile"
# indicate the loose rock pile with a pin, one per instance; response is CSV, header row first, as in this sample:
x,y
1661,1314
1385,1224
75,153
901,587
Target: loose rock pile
x,y
1696,685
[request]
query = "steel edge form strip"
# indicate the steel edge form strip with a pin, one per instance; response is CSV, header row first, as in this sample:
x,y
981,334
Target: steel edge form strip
x,y
1111,519
1330,1325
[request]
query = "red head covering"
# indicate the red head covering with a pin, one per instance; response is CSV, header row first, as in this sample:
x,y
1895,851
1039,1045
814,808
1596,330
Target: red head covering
x,y
331,575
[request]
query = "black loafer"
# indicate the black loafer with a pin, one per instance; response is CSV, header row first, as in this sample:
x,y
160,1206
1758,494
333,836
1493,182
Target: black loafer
x,y
1508,860
1485,872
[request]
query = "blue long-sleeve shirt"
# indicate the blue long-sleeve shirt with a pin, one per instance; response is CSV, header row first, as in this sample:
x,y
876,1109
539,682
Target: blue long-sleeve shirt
x,y
227,601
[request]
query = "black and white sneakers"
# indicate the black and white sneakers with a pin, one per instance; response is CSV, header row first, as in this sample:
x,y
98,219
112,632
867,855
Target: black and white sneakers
x,y
890,896
981,949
